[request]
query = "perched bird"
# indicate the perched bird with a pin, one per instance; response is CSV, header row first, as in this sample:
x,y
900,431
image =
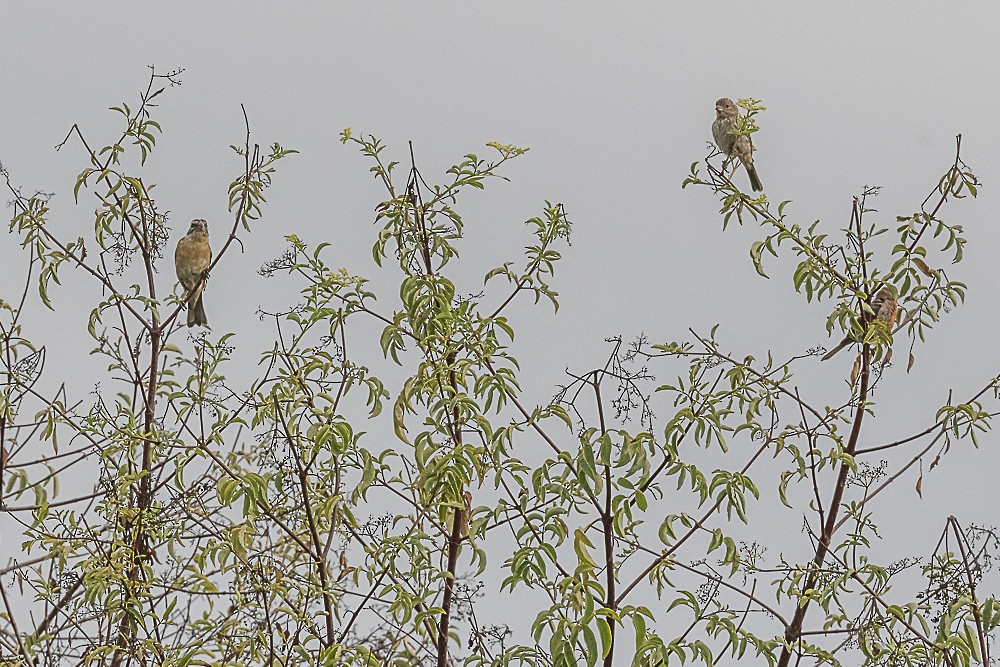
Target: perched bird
x,y
726,113
191,259
886,309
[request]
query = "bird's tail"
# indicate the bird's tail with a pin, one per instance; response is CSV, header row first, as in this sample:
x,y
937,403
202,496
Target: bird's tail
x,y
754,178
196,314
844,343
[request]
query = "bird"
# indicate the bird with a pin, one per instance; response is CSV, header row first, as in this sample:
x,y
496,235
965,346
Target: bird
x,y
726,113
191,260
886,309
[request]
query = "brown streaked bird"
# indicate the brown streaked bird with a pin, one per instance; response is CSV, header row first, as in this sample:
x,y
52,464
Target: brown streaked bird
x,y
886,309
733,145
191,259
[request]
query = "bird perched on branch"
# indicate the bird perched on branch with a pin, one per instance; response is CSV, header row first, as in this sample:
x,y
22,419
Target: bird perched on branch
x,y
734,145
886,309
191,259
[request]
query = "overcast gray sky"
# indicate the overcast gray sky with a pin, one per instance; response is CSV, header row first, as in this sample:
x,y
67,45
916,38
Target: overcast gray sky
x,y
615,101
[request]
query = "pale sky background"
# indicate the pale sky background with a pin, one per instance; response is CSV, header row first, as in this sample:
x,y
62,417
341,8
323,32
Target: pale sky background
x,y
615,101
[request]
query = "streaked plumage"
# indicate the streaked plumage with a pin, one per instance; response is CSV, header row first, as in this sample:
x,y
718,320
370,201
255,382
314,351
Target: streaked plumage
x,y
726,113
886,309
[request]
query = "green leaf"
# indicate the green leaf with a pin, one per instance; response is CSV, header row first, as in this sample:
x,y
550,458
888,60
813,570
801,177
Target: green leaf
x,y
606,637
756,251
